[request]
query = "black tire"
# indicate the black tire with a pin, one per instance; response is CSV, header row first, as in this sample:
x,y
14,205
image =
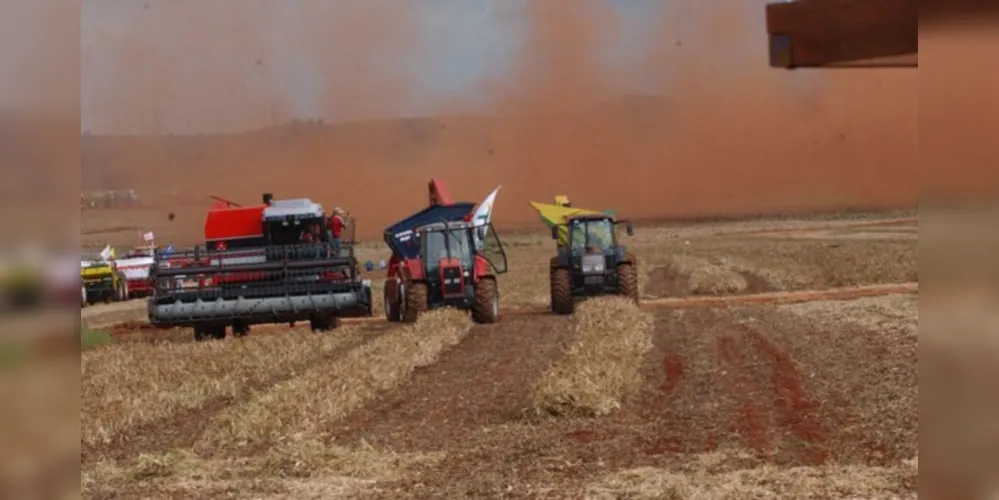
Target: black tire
x,y
416,302
486,307
123,285
561,291
391,305
321,324
627,281
240,329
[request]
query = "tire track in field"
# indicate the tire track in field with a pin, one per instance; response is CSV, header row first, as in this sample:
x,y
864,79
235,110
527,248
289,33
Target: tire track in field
x,y
182,429
483,381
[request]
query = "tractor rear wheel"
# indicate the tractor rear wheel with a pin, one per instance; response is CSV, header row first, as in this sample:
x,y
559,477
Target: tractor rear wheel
x,y
416,302
561,291
486,307
627,281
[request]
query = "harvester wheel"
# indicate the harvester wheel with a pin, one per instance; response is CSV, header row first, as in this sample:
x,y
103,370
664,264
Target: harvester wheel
x,y
561,290
627,279
206,332
240,329
323,323
416,302
486,307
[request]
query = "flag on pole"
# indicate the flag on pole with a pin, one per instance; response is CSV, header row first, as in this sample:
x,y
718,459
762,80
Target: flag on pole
x,y
148,236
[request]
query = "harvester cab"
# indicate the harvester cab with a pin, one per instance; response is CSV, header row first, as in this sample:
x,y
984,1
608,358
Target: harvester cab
x,y
275,262
441,258
590,261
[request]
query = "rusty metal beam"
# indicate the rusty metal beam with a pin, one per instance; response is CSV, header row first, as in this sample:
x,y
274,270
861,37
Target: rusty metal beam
x,y
820,33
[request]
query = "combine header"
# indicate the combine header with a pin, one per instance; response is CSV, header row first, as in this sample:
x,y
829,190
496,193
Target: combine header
x,y
444,255
276,262
588,261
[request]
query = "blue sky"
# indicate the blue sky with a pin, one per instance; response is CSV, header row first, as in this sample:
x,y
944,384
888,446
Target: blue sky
x,y
172,66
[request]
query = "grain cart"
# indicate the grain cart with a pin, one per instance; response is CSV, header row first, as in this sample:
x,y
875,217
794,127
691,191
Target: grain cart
x,y
589,261
255,268
441,258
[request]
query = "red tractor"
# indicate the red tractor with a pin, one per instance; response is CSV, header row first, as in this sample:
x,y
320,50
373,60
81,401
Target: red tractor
x,y
440,258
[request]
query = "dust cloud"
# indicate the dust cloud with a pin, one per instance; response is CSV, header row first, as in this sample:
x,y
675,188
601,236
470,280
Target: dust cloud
x,y
712,131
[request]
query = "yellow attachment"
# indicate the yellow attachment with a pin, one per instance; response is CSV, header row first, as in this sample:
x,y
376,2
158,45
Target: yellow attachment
x,y
96,271
553,215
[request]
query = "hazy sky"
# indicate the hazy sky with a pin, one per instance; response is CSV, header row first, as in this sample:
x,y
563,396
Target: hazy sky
x,y
223,65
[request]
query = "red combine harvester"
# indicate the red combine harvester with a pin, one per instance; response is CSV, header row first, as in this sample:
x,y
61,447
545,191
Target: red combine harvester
x,y
256,267
440,258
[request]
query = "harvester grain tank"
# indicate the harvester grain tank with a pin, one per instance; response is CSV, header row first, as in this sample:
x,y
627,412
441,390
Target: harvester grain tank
x,y
257,267
444,256
589,261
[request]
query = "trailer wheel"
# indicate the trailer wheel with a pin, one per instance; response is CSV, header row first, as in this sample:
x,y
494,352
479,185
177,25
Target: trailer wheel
x,y
416,302
561,291
392,302
486,307
627,281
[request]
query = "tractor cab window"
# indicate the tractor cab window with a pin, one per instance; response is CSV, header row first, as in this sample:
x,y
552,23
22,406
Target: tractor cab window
x,y
443,244
592,236
292,232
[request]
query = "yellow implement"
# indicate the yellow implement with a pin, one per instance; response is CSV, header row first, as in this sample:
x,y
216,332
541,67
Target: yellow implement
x,y
553,215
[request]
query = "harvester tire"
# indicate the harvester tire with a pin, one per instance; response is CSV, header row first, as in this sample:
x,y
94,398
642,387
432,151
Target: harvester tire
x,y
486,307
627,280
216,332
561,291
321,324
416,302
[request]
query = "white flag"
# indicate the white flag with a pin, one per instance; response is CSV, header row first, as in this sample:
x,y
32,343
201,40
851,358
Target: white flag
x,y
106,253
148,236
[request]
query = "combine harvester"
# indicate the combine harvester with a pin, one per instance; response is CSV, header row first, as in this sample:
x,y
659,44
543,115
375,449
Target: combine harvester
x,y
588,261
444,255
255,268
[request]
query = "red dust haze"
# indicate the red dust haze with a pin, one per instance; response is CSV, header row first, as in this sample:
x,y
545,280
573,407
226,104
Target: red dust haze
x,y
726,134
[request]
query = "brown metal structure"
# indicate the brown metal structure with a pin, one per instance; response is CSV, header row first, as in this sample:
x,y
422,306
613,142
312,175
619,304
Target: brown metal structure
x,y
843,33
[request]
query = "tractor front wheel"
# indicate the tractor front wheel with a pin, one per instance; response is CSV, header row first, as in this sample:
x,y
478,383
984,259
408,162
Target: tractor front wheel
x,y
392,302
416,302
486,307
561,291
627,280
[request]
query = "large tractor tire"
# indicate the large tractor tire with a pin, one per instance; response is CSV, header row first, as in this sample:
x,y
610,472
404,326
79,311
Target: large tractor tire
x,y
561,291
416,302
627,280
486,307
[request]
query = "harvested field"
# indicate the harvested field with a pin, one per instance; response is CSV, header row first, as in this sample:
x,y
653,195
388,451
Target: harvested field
x,y
748,372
